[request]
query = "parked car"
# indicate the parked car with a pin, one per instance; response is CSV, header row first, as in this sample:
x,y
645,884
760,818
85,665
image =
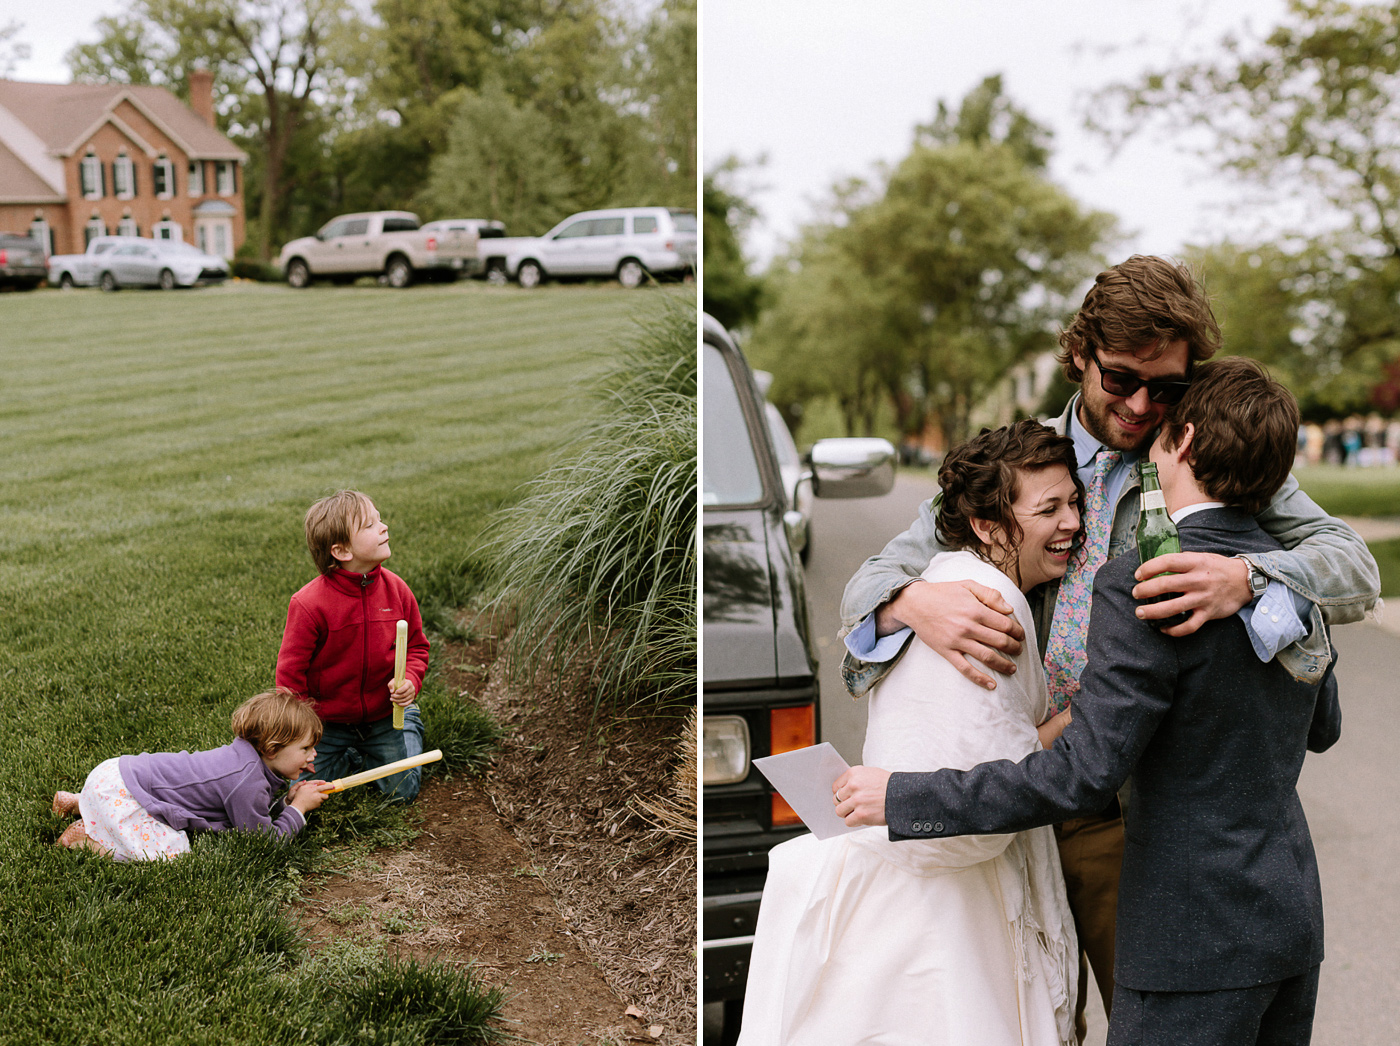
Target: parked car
x,y
21,262
760,674
626,242
797,476
81,270
134,261
378,243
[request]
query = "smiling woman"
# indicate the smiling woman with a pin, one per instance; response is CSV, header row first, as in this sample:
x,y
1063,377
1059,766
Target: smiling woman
x,y
977,933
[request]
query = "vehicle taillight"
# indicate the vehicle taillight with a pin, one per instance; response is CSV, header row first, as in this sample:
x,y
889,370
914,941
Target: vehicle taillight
x,y
432,243
792,728
4,256
789,729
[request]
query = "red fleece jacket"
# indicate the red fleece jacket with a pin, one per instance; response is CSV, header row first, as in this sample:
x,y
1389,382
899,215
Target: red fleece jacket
x,y
338,647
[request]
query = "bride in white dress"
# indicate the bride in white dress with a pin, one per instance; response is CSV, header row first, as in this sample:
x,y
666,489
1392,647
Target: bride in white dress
x,y
955,942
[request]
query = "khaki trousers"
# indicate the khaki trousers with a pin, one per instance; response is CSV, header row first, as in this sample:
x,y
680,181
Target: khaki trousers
x,y
1091,855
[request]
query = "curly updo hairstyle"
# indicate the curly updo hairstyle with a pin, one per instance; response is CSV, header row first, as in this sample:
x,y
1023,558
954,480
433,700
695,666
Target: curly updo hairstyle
x,y
979,481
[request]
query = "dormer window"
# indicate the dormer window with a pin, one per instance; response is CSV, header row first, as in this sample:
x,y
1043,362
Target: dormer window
x,y
91,174
195,185
163,177
123,177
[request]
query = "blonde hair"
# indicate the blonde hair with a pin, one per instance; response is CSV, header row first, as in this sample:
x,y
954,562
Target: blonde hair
x,y
330,522
275,719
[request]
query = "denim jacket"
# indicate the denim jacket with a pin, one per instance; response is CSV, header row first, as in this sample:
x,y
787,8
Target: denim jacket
x,y
1323,560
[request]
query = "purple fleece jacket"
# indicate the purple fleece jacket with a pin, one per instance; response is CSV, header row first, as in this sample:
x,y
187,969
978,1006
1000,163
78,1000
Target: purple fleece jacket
x,y
228,787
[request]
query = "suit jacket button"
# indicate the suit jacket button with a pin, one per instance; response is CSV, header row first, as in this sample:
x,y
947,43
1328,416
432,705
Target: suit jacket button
x,y
938,826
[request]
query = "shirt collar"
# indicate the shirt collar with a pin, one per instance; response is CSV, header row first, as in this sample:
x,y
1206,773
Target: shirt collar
x,y
1191,510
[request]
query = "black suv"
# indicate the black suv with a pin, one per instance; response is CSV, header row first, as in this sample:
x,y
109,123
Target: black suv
x,y
760,677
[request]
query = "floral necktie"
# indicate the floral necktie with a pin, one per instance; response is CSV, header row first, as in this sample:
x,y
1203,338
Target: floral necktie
x,y
1064,653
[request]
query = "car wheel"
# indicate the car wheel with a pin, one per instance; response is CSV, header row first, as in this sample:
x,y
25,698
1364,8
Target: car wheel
x,y
630,274
108,282
529,274
399,272
65,282
496,274
167,280
298,273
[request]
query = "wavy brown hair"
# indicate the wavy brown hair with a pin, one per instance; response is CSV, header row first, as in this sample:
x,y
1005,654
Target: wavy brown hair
x,y
1141,306
980,479
1246,432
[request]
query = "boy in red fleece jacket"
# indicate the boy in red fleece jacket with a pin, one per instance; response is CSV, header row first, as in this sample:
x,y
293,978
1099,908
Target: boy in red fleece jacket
x,y
338,646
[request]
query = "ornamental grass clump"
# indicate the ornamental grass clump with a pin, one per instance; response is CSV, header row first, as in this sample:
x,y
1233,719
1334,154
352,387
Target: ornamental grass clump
x,y
597,562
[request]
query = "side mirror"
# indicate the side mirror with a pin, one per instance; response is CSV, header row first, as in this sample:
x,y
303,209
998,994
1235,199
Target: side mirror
x,y
852,468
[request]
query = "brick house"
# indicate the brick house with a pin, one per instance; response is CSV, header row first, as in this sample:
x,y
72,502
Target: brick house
x,y
84,160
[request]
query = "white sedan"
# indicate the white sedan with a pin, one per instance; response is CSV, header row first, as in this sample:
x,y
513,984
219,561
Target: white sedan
x,y
166,264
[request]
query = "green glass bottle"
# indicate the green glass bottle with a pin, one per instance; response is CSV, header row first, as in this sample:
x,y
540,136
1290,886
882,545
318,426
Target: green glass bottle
x,y
1156,534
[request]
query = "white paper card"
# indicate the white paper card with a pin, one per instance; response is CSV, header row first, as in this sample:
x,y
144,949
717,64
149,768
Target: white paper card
x,y
804,778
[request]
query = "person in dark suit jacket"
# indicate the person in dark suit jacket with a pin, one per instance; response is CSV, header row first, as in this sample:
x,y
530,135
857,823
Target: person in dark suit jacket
x,y
1219,936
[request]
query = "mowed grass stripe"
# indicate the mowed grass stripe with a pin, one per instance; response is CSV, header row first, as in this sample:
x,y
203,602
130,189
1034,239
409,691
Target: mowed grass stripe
x,y
160,452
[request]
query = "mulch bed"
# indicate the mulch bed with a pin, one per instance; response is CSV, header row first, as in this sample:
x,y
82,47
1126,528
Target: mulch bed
x,y
546,873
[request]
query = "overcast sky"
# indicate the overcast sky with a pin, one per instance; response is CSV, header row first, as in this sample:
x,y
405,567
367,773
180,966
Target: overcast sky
x,y
826,88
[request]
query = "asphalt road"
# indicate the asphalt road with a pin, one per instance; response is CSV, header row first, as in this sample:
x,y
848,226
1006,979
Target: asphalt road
x,y
1351,794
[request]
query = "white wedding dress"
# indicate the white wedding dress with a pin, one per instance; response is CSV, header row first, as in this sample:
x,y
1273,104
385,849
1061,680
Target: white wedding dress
x,y
955,942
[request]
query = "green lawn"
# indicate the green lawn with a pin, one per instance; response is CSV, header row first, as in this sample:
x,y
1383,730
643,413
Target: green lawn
x,y
1353,492
159,452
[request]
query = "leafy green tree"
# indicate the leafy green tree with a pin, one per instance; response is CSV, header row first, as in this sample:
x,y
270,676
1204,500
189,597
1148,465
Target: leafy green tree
x,y
274,62
500,162
732,295
1317,100
1323,328
935,286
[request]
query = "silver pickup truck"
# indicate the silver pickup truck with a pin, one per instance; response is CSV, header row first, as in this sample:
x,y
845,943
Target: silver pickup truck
x,y
378,243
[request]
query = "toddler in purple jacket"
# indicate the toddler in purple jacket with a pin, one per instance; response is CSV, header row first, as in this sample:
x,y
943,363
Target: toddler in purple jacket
x,y
139,807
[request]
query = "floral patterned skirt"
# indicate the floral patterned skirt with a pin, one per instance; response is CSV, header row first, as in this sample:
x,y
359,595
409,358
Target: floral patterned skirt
x,y
115,819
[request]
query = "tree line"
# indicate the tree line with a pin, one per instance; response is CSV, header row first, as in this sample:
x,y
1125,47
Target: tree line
x,y
518,110
916,293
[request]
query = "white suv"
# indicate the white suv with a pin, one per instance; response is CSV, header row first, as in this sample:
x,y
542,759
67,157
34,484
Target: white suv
x,y
626,242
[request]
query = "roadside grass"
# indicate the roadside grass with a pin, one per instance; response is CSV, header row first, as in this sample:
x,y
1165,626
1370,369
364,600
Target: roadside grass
x,y
1387,555
1352,492
160,451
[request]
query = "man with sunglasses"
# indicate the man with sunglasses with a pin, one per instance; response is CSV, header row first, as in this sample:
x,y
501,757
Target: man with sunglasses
x,y
1131,347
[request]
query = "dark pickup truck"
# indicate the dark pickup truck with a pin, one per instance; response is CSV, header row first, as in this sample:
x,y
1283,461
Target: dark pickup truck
x,y
760,676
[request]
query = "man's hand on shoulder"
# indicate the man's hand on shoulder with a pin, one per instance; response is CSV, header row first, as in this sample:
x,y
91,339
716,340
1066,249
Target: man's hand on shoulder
x,y
860,795
1210,586
961,620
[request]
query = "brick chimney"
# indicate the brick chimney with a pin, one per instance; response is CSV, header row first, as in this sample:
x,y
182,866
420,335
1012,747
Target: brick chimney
x,y
202,94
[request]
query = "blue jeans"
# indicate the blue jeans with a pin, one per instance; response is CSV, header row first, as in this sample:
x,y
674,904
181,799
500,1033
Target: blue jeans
x,y
345,749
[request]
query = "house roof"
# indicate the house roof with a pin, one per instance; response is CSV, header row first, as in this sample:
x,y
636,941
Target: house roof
x,y
19,183
64,116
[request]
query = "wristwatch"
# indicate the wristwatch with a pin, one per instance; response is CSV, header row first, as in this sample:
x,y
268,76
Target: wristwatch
x,y
1258,580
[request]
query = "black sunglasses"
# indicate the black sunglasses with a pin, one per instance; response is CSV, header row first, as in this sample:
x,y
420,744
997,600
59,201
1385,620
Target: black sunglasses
x,y
1125,383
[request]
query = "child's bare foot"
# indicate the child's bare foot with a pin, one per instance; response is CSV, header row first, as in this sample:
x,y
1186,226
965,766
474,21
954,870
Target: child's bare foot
x,y
64,803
